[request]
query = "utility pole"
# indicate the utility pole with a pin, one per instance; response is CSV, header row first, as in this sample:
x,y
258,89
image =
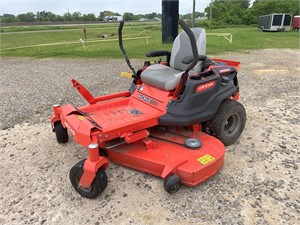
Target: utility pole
x,y
170,16
210,14
193,19
68,14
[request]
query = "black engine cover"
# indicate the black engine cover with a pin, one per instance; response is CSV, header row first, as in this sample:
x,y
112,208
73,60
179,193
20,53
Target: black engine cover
x,y
200,100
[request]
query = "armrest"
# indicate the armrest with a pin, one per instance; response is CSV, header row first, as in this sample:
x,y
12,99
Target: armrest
x,y
189,59
158,53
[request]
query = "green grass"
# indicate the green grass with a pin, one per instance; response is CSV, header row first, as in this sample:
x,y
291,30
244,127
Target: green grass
x,y
42,27
249,38
244,39
64,27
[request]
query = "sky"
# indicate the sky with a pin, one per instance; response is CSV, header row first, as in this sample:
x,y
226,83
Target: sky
x,y
92,6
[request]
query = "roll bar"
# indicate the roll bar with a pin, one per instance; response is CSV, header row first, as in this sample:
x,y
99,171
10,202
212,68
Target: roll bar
x,y
185,74
191,35
122,48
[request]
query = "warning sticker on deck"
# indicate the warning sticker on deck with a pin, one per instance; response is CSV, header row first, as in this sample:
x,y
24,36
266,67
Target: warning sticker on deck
x,y
205,159
80,117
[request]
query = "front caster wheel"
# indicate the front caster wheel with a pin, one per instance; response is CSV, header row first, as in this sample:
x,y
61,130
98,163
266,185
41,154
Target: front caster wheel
x,y
61,133
98,185
172,184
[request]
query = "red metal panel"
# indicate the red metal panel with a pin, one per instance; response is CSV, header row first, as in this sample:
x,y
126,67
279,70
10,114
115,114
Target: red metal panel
x,y
115,117
169,158
234,64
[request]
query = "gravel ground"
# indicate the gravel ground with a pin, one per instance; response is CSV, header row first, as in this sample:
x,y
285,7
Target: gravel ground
x,y
258,184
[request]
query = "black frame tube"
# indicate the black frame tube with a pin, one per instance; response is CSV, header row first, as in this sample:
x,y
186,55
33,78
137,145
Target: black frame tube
x,y
191,35
195,58
122,48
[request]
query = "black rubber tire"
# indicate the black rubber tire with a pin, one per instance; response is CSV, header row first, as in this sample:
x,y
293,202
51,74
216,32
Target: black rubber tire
x,y
61,133
98,185
229,122
172,184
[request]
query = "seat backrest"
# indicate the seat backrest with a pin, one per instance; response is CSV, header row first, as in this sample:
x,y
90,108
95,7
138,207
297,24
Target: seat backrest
x,y
182,48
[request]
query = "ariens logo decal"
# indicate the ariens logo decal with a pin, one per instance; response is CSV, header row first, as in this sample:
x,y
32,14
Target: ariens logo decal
x,y
203,87
225,70
148,100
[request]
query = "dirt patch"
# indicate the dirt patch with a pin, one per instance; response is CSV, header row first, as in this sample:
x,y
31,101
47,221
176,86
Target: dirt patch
x,y
259,183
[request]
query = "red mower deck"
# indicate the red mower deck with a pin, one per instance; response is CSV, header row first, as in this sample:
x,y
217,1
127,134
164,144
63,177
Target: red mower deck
x,y
169,155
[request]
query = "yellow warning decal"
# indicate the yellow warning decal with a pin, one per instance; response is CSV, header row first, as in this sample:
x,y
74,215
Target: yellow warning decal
x,y
205,159
80,117
125,74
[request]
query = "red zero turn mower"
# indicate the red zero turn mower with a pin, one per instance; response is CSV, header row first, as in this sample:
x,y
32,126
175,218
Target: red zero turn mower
x,y
173,122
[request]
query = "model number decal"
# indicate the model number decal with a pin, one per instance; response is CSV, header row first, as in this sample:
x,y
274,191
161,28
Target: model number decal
x,y
203,87
148,100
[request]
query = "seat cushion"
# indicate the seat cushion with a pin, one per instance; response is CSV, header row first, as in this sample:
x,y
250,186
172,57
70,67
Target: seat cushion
x,y
182,48
161,76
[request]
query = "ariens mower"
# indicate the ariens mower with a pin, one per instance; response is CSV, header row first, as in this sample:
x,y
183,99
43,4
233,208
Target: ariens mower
x,y
173,122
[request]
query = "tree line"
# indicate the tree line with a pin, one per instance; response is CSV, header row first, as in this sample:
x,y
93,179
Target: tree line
x,y
45,16
239,12
222,13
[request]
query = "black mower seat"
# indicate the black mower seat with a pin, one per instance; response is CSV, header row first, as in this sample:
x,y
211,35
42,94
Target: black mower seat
x,y
167,78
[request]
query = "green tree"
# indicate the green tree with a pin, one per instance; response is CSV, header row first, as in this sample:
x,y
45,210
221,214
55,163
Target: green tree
x,y
45,16
263,7
77,16
248,18
107,13
89,17
8,18
231,12
225,11
59,18
27,17
129,16
243,3
150,16
189,16
68,17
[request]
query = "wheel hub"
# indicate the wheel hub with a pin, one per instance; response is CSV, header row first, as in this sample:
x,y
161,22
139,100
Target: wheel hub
x,y
175,187
77,179
231,125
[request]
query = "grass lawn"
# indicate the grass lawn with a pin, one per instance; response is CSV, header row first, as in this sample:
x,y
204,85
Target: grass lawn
x,y
244,39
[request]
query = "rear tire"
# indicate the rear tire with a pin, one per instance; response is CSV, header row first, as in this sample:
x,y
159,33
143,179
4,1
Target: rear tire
x,y
98,185
61,133
229,122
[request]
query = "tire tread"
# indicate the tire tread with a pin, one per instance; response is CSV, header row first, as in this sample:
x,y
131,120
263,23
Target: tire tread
x,y
216,124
